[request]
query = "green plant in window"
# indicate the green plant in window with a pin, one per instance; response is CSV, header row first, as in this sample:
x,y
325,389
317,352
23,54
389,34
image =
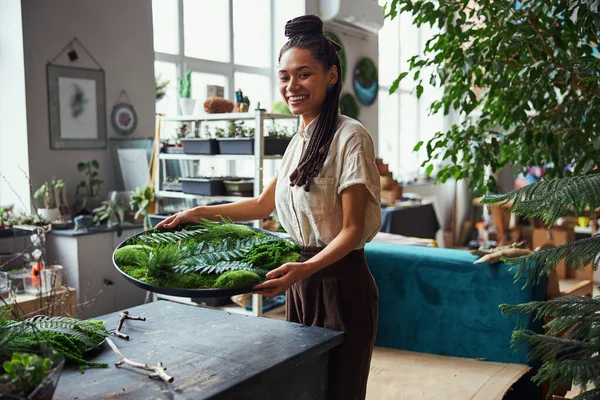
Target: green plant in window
x,y
185,85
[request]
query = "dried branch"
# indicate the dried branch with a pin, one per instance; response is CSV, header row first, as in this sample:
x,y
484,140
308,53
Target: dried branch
x,y
125,315
157,372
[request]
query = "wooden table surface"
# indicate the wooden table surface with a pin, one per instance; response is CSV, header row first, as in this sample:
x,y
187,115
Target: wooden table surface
x,y
210,353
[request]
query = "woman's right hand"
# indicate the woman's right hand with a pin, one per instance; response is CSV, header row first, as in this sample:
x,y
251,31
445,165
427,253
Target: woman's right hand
x,y
187,216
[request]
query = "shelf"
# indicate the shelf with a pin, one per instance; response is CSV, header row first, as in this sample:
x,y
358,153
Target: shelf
x,y
181,195
192,157
228,117
231,308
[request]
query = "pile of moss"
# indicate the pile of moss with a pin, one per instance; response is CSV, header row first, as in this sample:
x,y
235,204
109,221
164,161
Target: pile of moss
x,y
205,256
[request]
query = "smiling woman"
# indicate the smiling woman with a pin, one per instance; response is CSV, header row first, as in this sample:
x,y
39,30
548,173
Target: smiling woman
x,y
326,193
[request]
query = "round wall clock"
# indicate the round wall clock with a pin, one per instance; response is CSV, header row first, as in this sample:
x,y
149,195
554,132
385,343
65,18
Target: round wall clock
x,y
123,119
364,81
341,54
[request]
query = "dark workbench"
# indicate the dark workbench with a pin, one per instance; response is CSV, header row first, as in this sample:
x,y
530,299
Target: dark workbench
x,y
211,354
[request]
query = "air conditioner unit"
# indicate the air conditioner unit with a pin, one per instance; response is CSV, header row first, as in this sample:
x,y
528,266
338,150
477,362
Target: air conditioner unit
x,y
365,15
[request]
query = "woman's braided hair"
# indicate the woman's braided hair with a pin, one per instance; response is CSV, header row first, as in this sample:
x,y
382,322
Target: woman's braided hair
x,y
306,32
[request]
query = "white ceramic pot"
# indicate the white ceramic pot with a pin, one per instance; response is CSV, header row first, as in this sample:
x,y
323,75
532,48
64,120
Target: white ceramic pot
x,y
50,214
187,106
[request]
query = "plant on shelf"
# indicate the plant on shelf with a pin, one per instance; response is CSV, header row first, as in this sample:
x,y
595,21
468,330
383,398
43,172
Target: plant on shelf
x,y
569,348
142,202
49,192
239,130
185,94
161,86
185,85
88,189
522,76
208,255
112,212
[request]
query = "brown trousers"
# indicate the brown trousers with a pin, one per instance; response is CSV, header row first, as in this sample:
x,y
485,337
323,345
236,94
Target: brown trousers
x,y
342,297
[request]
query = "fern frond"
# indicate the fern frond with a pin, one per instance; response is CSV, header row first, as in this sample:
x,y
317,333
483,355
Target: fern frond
x,y
227,249
202,268
169,236
551,199
576,254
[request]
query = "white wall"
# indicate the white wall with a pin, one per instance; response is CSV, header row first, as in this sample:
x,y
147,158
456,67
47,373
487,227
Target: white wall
x,y
13,116
119,36
355,49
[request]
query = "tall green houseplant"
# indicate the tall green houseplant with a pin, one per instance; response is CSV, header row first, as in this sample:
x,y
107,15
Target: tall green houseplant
x,y
522,75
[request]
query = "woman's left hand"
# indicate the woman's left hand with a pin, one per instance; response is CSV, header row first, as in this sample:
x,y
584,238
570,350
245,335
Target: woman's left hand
x,y
281,278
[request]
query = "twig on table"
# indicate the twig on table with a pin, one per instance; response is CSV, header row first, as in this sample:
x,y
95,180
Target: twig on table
x,y
157,372
125,315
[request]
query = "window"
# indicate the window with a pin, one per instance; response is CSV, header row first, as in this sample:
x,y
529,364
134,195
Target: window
x,y
229,43
404,119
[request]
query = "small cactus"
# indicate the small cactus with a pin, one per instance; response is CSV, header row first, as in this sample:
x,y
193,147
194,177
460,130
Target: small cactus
x,y
185,85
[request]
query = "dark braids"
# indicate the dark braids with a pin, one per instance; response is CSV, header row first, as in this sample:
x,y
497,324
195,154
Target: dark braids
x,y
306,32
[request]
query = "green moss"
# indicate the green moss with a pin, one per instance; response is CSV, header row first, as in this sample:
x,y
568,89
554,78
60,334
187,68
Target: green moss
x,y
183,281
270,255
132,255
292,256
236,279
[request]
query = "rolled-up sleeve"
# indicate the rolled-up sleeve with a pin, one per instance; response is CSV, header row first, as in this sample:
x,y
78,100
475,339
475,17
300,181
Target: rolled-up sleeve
x,y
359,167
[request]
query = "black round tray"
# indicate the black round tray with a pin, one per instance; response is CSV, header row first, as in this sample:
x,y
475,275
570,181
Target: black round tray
x,y
178,292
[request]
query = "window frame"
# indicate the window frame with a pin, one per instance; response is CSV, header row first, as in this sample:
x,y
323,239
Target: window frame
x,y
184,63
399,168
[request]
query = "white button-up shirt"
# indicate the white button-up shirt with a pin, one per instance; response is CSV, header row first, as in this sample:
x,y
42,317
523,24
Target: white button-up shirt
x,y
315,218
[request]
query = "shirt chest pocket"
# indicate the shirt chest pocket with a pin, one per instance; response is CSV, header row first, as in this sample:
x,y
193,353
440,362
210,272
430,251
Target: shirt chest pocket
x,y
319,202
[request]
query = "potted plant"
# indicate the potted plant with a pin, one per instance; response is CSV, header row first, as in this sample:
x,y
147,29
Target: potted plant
x,y
240,140
30,376
186,103
143,202
172,184
112,212
88,189
49,192
204,144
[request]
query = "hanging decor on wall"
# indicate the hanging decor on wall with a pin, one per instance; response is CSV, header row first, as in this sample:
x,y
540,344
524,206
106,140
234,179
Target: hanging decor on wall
x,y
341,54
364,81
349,106
123,117
76,102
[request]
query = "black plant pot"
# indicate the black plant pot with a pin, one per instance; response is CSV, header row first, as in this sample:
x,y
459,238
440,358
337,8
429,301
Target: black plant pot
x,y
245,146
200,146
203,186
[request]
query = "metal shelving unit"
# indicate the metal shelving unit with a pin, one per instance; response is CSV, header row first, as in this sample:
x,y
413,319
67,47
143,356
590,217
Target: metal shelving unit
x,y
259,117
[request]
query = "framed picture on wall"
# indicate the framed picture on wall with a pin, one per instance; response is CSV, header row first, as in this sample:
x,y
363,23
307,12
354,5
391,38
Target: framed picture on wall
x,y
76,107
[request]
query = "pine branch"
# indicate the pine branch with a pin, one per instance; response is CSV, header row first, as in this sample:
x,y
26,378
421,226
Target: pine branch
x,y
577,255
579,372
551,348
549,200
561,306
592,394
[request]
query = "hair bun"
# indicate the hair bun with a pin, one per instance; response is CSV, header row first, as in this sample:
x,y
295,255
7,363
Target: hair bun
x,y
304,25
